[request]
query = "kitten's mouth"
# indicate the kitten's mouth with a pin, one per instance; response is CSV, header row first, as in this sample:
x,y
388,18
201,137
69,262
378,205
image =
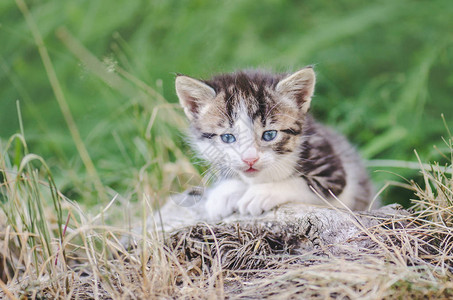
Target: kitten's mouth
x,y
251,170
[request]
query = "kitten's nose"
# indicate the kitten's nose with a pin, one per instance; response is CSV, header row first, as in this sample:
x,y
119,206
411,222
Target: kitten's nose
x,y
250,160
250,156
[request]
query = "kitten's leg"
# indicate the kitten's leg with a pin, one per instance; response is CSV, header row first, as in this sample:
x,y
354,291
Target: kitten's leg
x,y
265,196
223,197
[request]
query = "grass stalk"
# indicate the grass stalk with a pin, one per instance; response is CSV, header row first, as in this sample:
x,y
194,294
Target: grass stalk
x,y
61,99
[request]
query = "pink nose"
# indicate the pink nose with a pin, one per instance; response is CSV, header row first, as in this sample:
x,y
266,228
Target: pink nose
x,y
250,161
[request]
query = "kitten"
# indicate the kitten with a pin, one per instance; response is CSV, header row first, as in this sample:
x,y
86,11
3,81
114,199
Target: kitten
x,y
254,129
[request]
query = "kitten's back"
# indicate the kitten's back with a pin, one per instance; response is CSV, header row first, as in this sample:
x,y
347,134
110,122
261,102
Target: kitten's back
x,y
357,193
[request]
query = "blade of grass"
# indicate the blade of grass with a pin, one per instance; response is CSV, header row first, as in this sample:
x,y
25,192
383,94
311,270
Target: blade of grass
x,y
354,23
391,163
59,95
384,141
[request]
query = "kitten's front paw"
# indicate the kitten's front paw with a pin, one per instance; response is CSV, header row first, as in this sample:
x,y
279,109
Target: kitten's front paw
x,y
218,207
258,200
222,200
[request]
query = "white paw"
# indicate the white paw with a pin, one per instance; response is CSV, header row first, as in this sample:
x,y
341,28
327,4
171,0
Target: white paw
x,y
222,199
259,199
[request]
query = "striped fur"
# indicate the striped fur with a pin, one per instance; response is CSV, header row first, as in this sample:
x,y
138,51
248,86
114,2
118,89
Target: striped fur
x,y
246,104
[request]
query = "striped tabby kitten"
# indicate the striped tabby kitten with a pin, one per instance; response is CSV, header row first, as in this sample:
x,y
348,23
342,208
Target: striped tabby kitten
x,y
255,131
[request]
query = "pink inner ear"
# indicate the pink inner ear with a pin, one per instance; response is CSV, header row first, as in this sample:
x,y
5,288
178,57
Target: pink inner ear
x,y
191,102
304,94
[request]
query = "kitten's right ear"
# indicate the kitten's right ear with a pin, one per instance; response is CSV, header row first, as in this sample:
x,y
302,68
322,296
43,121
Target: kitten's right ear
x,y
299,86
192,94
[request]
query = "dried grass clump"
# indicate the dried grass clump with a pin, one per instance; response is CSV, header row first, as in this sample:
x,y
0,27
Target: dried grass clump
x,y
393,259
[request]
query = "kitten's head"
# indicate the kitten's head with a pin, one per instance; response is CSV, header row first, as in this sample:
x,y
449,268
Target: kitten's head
x,y
248,123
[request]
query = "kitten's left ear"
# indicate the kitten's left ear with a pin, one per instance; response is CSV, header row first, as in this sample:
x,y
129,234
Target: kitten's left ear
x,y
193,94
299,86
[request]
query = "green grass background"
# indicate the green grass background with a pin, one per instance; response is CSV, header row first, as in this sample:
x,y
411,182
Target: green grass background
x,y
384,77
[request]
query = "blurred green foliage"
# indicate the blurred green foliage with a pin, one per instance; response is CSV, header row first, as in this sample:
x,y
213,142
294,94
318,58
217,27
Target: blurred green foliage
x,y
384,73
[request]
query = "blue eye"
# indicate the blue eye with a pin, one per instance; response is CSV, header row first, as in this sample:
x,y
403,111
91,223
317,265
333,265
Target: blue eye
x,y
228,138
269,135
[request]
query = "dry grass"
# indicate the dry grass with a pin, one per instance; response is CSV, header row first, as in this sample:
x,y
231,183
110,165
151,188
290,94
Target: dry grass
x,y
56,251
